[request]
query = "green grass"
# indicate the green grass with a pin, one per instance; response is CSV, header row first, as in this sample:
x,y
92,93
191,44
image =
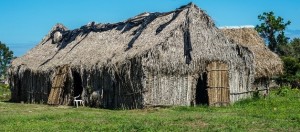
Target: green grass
x,y
277,112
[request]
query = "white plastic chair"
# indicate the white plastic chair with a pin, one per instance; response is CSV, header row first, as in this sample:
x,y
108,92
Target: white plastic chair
x,y
76,101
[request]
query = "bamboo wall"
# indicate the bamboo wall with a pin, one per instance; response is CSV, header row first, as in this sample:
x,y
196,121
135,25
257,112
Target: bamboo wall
x,y
128,86
30,87
240,84
168,90
114,88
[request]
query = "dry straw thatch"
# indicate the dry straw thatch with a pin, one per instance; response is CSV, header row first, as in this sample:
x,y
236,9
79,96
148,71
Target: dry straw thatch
x,y
267,63
150,59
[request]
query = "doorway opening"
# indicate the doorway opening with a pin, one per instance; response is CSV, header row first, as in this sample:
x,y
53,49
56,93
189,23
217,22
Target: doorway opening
x,y
77,84
201,90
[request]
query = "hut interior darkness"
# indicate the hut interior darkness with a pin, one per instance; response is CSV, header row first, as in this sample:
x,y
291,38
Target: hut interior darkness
x,y
172,58
201,90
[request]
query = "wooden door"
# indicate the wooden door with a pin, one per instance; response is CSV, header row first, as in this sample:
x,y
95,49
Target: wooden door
x,y
218,84
57,89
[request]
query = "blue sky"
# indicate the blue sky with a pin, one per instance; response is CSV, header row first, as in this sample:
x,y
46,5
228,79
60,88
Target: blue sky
x,y
25,22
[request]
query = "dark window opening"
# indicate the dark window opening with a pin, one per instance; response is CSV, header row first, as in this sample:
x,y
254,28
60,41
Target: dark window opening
x,y
77,84
201,90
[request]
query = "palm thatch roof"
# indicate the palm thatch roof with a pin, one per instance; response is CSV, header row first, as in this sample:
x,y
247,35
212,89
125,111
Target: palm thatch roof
x,y
267,63
163,37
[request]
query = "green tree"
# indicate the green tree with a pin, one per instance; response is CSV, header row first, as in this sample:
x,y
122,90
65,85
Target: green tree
x,y
272,30
291,74
295,47
291,59
292,49
6,56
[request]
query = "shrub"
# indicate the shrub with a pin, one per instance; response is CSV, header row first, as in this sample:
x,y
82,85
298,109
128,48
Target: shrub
x,y
4,92
283,91
291,74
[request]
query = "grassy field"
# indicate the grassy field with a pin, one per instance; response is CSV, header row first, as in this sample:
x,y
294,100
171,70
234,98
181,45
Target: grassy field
x,y
278,112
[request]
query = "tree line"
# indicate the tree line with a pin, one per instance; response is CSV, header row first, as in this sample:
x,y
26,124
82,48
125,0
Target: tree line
x,y
6,56
272,29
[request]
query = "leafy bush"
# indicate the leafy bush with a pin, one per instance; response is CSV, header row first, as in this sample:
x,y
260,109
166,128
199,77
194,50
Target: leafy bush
x,y
283,91
4,92
291,74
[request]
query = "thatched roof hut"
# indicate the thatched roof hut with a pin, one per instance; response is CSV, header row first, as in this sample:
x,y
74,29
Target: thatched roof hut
x,y
172,58
267,63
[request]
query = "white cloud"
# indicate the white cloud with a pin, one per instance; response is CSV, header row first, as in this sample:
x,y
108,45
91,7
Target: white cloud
x,y
236,27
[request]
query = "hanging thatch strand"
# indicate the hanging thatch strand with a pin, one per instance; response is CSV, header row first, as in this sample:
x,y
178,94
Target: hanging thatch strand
x,y
150,59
